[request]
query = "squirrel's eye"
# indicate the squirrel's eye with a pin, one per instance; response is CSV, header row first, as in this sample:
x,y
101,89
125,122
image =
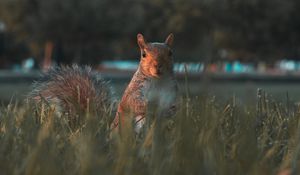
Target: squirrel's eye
x,y
143,54
170,53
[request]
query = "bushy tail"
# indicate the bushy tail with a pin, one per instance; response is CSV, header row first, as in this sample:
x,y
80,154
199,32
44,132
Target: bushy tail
x,y
75,91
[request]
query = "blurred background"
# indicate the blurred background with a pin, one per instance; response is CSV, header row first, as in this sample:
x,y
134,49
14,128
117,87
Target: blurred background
x,y
227,46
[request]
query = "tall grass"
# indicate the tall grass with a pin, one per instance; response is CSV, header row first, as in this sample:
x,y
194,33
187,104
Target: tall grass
x,y
204,137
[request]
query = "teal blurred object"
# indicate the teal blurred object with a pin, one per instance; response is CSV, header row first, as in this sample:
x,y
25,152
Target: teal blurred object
x,y
28,64
227,67
122,65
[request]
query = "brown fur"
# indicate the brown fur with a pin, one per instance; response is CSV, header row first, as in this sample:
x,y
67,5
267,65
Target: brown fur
x,y
153,83
75,91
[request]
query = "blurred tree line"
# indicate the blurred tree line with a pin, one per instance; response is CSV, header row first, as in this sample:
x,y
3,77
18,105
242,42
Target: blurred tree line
x,y
88,31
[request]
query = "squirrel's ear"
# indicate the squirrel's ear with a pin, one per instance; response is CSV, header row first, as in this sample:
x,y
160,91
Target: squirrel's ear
x,y
169,40
141,41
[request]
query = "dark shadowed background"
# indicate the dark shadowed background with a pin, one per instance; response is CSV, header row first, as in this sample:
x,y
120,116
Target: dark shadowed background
x,y
93,30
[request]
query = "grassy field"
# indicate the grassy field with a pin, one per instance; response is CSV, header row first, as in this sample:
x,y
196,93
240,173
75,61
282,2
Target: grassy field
x,y
205,137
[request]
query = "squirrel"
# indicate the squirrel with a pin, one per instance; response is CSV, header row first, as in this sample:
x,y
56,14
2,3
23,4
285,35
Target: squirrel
x,y
77,90
152,85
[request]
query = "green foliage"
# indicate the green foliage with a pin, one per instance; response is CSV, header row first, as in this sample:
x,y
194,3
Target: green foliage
x,y
102,29
204,138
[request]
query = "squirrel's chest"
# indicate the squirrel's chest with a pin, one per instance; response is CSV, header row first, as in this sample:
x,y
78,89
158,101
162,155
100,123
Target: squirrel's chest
x,y
161,92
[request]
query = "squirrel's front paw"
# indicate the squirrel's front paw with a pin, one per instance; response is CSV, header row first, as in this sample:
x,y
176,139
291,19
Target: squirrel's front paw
x,y
139,123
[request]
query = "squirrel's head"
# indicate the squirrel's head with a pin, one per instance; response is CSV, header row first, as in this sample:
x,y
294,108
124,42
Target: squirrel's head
x,y
156,58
